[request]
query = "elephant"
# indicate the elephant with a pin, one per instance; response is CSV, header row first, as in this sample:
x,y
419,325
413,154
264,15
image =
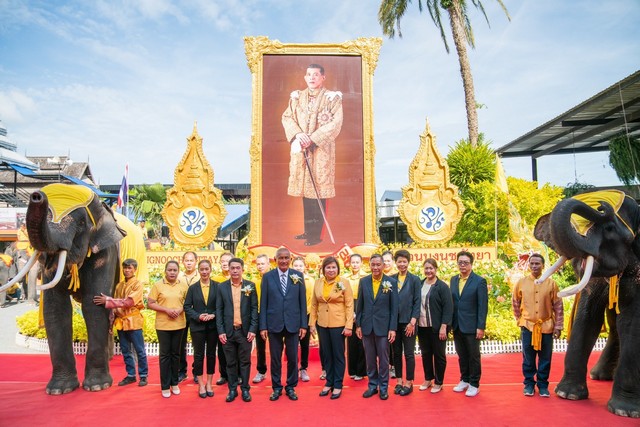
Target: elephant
x,y
598,232
75,236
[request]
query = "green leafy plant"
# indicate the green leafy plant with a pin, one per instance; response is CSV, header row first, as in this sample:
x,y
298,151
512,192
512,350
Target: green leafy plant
x,y
624,158
471,165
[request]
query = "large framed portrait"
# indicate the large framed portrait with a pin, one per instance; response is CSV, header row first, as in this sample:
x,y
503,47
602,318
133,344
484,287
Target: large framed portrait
x,y
312,150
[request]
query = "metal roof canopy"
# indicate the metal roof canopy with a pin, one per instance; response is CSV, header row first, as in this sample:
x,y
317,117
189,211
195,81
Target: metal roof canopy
x,y
586,128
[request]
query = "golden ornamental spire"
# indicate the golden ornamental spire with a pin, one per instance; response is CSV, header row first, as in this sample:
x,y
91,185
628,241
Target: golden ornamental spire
x,y
430,205
194,209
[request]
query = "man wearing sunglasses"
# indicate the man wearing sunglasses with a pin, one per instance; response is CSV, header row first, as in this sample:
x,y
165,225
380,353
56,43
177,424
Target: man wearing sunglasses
x,y
470,298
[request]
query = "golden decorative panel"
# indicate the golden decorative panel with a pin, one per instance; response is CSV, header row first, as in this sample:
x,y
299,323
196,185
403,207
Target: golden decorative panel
x,y
430,205
194,209
277,69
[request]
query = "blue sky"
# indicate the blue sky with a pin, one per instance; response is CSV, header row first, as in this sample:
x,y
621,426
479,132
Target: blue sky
x,y
122,81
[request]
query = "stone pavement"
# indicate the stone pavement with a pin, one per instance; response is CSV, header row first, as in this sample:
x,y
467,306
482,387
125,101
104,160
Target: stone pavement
x,y
8,327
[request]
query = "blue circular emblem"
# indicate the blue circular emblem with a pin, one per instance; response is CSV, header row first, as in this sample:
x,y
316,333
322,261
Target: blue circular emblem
x,y
193,221
431,219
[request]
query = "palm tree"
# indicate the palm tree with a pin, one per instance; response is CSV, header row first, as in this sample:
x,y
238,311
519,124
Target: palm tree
x,y
147,201
390,13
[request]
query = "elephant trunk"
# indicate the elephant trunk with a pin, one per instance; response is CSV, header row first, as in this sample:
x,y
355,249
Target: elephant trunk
x,y
37,221
567,240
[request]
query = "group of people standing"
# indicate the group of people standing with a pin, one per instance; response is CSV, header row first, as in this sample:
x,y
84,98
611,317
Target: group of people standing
x,y
380,314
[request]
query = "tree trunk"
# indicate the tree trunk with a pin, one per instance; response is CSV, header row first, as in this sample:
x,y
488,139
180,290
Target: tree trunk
x,y
460,39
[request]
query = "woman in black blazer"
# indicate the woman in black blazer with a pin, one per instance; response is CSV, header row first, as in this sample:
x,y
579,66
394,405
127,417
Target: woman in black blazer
x,y
436,314
200,308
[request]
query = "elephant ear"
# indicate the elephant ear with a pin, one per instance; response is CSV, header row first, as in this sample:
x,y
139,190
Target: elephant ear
x,y
542,231
106,232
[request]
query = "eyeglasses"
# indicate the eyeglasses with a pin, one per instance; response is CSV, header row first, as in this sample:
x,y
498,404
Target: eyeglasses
x,y
464,263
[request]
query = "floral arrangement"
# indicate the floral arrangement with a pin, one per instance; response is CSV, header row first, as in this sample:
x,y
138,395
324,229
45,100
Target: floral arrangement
x,y
295,278
386,286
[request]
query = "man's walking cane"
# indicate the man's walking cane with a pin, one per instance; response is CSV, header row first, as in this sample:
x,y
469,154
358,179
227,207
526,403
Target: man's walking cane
x,y
315,188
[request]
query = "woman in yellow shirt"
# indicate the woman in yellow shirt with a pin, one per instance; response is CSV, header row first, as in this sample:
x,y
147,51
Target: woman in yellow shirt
x,y
167,299
332,313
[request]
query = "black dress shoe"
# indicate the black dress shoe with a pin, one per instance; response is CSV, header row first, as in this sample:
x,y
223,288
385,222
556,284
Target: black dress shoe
x,y
221,381
384,395
312,242
370,392
406,391
301,236
337,395
127,381
275,395
231,396
326,392
203,395
182,377
246,396
397,389
143,382
291,394
210,393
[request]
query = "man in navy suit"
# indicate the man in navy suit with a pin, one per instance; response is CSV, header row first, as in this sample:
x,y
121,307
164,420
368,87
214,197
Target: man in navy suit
x,y
283,319
376,324
470,299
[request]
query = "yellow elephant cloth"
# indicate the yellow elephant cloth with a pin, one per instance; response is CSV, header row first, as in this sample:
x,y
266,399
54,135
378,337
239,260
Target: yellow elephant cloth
x,y
63,199
593,199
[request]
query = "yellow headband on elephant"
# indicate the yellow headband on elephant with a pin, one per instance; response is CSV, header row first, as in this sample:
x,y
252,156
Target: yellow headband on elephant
x,y
593,199
63,199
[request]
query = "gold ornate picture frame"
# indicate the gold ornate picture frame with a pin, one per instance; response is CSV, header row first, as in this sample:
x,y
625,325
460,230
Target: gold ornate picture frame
x,y
278,71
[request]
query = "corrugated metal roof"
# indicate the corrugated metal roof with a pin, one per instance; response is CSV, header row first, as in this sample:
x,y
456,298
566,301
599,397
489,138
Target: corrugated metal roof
x,y
587,127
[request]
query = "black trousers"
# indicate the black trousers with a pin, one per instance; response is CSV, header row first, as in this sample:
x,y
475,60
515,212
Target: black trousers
x,y
169,356
434,358
261,353
332,344
468,349
304,349
237,352
222,360
277,342
313,221
204,341
355,350
183,352
405,344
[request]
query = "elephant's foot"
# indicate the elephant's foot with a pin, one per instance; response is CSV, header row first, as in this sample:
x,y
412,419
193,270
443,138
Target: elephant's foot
x,y
97,381
602,372
59,386
572,390
624,407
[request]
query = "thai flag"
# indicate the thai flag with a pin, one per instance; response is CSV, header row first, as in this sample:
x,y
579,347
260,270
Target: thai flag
x,y
123,195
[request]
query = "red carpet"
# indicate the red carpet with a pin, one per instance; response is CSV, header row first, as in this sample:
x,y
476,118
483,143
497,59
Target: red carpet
x,y
500,403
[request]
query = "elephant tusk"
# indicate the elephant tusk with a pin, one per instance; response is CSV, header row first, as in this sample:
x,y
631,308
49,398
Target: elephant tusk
x,y
22,272
555,267
62,258
572,290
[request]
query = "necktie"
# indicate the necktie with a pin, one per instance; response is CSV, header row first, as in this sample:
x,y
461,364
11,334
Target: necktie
x,y
283,282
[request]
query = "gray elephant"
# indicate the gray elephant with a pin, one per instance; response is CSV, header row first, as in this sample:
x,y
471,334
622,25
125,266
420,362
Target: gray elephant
x,y
75,238
598,232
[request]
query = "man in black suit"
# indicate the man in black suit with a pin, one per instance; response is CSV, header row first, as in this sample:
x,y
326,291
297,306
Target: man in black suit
x,y
470,306
376,324
283,319
237,322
